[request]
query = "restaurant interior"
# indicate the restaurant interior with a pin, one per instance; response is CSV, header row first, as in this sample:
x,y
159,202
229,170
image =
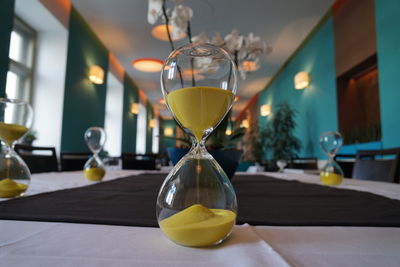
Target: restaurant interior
x,y
287,133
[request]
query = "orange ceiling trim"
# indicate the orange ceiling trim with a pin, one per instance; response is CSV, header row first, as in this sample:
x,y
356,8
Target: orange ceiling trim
x,y
116,67
142,97
242,115
60,9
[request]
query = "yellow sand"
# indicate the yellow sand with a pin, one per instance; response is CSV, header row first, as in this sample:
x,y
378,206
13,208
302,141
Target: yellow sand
x,y
9,188
11,132
198,226
199,108
94,174
330,178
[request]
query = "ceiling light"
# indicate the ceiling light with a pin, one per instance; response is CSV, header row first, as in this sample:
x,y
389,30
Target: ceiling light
x,y
96,74
160,32
249,66
301,80
161,101
148,64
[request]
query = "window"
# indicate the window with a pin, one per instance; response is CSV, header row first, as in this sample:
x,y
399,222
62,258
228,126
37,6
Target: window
x,y
141,130
19,75
156,133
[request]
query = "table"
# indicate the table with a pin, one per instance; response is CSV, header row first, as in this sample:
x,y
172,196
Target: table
x,y
71,244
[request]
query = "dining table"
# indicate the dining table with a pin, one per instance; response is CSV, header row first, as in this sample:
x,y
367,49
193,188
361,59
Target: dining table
x,y
26,240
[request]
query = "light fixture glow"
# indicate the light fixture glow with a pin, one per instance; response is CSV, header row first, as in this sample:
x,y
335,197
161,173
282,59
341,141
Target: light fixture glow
x,y
301,80
168,132
96,74
228,132
152,123
245,123
265,110
160,32
148,64
161,101
249,66
135,108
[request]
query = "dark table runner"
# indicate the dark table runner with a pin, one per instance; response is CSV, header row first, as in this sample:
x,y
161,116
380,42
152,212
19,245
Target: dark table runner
x,y
262,201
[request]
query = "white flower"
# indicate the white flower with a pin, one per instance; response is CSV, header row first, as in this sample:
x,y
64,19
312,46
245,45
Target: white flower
x,y
155,10
217,40
201,38
234,41
180,17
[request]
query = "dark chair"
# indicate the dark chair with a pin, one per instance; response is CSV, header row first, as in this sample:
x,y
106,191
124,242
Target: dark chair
x,y
304,163
73,161
132,161
346,162
378,165
38,159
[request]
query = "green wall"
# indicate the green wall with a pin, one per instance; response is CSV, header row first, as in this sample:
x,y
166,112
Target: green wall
x,y
129,120
388,45
164,143
6,25
84,102
316,105
149,131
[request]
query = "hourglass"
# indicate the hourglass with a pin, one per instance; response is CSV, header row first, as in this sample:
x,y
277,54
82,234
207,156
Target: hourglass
x,y
331,173
15,120
196,205
95,138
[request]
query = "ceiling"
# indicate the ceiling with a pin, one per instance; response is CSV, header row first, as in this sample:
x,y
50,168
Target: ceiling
x,y
122,26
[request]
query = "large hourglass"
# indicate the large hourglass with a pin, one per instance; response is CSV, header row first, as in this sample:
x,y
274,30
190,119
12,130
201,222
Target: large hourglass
x,y
196,205
15,120
95,138
331,173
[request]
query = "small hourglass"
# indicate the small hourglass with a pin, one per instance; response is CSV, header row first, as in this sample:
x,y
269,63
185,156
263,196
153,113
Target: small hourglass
x,y
196,205
15,120
331,173
95,138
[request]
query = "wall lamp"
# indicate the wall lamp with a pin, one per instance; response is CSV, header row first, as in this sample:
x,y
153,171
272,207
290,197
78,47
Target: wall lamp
x,y
245,123
96,74
135,108
152,123
265,110
302,80
168,131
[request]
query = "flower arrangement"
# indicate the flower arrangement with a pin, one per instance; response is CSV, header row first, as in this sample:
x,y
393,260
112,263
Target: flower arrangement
x,y
246,51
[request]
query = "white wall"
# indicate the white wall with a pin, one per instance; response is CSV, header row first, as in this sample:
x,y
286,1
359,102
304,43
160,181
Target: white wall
x,y
50,67
141,130
156,133
113,119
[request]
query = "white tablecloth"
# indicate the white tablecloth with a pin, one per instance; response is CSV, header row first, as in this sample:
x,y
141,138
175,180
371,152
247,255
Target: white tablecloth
x,y
24,243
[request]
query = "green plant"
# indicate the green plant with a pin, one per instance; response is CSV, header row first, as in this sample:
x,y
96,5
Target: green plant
x,y
278,136
29,138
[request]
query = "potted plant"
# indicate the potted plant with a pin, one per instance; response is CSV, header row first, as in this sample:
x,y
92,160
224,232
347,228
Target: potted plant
x,y
278,136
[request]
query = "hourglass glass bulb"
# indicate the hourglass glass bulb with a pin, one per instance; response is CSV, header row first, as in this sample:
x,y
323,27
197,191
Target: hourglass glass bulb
x,y
95,138
330,143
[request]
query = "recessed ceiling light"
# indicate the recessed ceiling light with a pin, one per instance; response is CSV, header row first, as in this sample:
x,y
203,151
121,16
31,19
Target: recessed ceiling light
x,y
148,64
160,32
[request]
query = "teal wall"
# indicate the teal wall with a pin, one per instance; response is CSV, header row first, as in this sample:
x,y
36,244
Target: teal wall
x,y
388,45
84,102
316,105
6,25
164,143
129,120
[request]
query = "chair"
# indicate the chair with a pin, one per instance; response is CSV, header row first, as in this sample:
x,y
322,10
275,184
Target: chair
x,y
132,161
73,161
304,163
38,159
378,165
346,162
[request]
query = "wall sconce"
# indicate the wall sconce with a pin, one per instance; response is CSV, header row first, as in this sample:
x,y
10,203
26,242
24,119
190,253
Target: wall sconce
x,y
228,132
152,123
301,80
135,108
96,74
245,123
168,132
265,110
